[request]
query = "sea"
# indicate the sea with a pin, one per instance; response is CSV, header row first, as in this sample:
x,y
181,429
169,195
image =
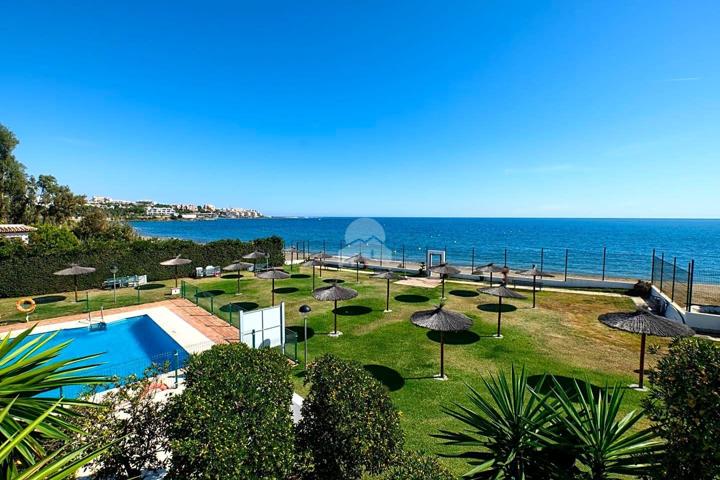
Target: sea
x,y
614,247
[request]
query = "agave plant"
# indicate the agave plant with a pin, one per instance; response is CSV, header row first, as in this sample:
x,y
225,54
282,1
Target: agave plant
x,y
29,367
57,465
604,445
501,429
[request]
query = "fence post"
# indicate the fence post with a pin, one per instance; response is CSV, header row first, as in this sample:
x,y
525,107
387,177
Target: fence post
x,y
505,265
662,269
672,292
566,263
691,274
603,265
197,298
253,340
381,254
472,261
212,305
138,294
177,367
403,256
542,259
87,302
652,268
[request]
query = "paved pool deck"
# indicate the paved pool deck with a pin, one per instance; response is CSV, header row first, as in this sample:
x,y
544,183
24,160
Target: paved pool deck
x,y
217,330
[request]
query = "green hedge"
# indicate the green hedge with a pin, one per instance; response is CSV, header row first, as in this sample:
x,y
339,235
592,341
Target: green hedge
x,y
26,273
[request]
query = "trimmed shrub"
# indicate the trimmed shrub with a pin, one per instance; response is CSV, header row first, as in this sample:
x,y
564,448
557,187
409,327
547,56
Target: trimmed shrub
x,y
29,272
684,404
416,466
348,424
233,419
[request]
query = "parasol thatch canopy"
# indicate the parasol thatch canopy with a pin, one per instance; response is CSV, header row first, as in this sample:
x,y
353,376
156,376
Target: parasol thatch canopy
x,y
176,262
441,320
237,266
334,293
645,323
273,274
489,268
256,255
501,292
74,270
534,273
357,260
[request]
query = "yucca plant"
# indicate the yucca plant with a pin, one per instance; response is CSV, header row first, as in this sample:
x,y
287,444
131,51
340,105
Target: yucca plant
x,y
605,445
501,429
54,466
28,368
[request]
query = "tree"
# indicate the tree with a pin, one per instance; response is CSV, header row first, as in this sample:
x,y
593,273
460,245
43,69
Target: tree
x,y
233,419
30,369
348,423
56,203
128,410
16,191
49,239
501,429
683,403
93,223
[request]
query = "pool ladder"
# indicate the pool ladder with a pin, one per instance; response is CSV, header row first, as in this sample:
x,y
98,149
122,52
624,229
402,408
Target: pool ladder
x,y
101,325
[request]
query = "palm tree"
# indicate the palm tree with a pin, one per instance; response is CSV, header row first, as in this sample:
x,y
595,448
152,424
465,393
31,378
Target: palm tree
x,y
501,429
28,368
602,443
57,465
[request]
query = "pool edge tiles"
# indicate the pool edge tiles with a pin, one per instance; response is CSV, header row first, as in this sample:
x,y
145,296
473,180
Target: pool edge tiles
x,y
184,334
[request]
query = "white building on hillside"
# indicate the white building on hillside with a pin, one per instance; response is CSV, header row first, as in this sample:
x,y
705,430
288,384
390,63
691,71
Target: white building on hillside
x,y
160,212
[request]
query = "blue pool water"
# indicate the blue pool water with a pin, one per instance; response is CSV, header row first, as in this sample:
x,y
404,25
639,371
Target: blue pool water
x,y
128,347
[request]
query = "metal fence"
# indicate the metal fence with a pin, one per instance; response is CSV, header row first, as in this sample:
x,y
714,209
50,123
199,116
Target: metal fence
x,y
563,263
672,279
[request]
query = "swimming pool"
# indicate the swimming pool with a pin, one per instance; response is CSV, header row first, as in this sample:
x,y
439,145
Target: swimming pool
x,y
128,346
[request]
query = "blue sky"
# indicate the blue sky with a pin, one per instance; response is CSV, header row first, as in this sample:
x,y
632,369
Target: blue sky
x,y
373,108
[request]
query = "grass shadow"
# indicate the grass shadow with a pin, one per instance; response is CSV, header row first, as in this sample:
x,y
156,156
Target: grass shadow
x,y
565,383
286,290
353,310
299,275
407,298
387,376
493,307
334,280
49,299
300,332
463,293
455,338
209,293
150,286
237,306
232,275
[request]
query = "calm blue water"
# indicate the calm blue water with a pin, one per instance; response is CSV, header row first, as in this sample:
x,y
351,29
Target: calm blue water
x,y
629,242
129,346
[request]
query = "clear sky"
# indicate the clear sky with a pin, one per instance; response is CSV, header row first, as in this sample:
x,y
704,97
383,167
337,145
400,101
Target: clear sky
x,y
373,108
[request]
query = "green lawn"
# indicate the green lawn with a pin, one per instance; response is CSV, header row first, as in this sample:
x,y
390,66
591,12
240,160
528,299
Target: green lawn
x,y
562,337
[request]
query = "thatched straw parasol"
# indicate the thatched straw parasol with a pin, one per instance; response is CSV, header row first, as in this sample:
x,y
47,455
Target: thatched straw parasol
x,y
441,320
273,274
389,275
334,293
534,273
176,262
501,292
237,266
357,260
74,270
489,268
444,270
255,256
321,257
645,323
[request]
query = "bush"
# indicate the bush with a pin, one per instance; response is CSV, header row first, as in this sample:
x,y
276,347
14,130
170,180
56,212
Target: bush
x,y
233,419
415,466
29,271
683,403
348,423
128,411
